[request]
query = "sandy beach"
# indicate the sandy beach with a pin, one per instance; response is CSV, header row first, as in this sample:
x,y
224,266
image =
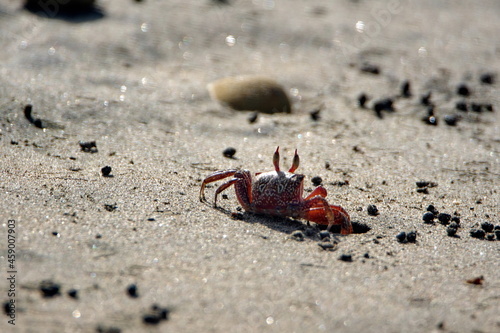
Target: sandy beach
x,y
136,250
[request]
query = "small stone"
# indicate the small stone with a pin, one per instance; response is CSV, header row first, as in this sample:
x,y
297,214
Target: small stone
x,y
106,329
461,106
406,89
432,209
88,147
326,245
476,107
73,293
451,119
253,117
155,315
428,217
132,291
444,218
385,104
477,233
497,233
487,226
316,180
229,152
250,93
456,219
106,171
411,237
49,288
372,210
315,114
362,99
490,237
370,68
430,120
451,231
401,237
454,225
463,90
487,78
426,99
298,235
324,235
346,257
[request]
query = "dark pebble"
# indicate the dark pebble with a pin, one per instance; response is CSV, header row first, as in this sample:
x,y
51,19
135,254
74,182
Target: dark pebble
x,y
110,207
497,233
487,226
497,227
411,237
428,217
401,237
316,180
362,99
432,209
298,235
73,293
454,225
366,255
488,107
360,228
490,237
463,90
88,147
476,107
106,171
346,257
132,291
385,104
456,219
423,183
155,315
55,233
451,231
444,218
229,152
224,196
451,119
370,68
477,233
372,210
7,307
426,99
487,78
49,288
253,117
326,245
324,234
315,114
406,89
461,106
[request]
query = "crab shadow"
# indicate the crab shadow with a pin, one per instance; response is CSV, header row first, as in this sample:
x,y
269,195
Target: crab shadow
x,y
69,13
288,225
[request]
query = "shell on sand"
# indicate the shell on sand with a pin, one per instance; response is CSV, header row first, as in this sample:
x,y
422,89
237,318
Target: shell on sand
x,y
250,93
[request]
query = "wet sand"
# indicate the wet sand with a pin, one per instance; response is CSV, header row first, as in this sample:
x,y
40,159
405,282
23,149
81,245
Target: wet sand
x,y
132,77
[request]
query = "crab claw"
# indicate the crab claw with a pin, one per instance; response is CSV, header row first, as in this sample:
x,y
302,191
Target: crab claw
x,y
340,216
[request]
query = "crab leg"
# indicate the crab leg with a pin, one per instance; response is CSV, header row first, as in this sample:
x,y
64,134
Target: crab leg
x,y
319,211
213,178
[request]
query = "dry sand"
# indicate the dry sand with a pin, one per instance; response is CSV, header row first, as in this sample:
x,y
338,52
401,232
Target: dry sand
x,y
134,81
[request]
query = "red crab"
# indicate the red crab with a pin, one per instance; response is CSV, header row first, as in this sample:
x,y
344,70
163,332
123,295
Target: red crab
x,y
279,193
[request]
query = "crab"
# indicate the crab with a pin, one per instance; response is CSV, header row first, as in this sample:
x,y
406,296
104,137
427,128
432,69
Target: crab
x,y
279,193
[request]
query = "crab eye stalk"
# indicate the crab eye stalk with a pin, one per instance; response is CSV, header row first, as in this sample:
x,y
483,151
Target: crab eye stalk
x,y
295,163
276,159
